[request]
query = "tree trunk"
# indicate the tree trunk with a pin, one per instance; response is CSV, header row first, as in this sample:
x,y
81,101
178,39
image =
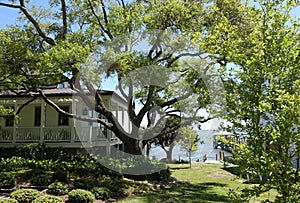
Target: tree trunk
x,y
169,153
134,146
148,149
190,159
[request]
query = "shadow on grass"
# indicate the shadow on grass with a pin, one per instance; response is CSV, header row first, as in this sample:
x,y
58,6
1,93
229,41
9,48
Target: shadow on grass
x,y
235,170
186,192
179,168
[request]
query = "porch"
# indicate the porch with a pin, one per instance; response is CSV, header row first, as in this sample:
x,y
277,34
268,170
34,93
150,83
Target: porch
x,y
61,136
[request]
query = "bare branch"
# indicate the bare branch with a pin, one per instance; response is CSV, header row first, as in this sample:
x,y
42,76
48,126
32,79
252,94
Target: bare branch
x,y
10,5
98,20
35,23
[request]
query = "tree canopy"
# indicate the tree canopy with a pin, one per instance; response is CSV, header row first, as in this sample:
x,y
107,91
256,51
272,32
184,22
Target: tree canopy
x,y
263,99
153,48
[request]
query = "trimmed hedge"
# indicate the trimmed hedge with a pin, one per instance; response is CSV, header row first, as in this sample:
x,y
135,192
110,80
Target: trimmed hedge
x,y
25,195
80,196
8,200
101,192
48,199
7,180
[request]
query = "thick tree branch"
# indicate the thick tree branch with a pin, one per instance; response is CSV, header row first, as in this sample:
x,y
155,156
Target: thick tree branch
x,y
105,19
64,18
87,119
26,103
147,105
173,101
182,55
10,5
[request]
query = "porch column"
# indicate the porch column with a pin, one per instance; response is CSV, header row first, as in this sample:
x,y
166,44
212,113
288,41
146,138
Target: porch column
x,y
108,143
73,131
90,135
15,126
43,121
108,149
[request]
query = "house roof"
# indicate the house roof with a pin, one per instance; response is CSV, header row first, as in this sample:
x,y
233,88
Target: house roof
x,y
54,92
48,92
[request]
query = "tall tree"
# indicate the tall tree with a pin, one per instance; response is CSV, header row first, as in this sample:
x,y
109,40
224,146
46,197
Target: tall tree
x,y
189,141
263,97
54,42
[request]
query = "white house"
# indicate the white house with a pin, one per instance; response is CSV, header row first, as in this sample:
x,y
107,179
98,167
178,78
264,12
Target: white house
x,y
39,122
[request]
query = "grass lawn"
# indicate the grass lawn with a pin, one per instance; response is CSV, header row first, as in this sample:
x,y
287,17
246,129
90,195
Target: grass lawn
x,y
202,183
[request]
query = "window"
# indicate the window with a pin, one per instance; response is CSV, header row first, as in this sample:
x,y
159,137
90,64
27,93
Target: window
x,y
63,119
9,120
37,116
103,129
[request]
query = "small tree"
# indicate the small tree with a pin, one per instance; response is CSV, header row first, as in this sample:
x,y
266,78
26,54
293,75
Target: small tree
x,y
189,141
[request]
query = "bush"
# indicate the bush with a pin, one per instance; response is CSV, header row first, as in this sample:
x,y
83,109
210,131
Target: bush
x,y
7,180
34,173
123,188
34,151
41,180
58,188
81,196
101,193
60,176
85,183
48,199
25,195
8,200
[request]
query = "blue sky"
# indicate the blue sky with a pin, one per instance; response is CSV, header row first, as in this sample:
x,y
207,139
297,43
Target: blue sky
x,y
9,15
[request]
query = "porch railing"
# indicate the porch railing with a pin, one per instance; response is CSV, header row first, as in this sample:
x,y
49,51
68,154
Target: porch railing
x,y
58,134
27,134
6,135
55,135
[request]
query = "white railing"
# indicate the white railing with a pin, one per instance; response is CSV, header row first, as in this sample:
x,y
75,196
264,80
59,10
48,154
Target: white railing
x,y
6,134
89,134
27,134
57,134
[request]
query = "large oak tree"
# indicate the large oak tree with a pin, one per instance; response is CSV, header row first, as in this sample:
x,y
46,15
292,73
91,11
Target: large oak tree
x,y
52,42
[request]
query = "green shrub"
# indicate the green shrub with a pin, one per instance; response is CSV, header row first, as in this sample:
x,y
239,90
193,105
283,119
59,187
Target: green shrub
x,y
8,200
81,196
7,180
34,173
41,180
48,199
101,193
60,176
58,188
25,195
124,188
86,183
34,151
